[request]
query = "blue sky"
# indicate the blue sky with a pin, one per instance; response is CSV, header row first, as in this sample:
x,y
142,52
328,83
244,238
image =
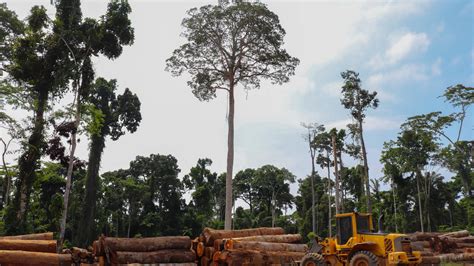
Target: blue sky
x,y
408,51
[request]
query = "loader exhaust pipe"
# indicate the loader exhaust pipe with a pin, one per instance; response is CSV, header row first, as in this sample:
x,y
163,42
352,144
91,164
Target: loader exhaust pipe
x,y
380,223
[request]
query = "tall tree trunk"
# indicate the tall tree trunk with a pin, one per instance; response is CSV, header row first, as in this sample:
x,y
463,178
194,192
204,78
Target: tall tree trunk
x,y
419,200
329,197
273,209
8,179
129,219
87,224
27,164
230,160
394,206
336,173
366,168
313,196
340,173
70,169
427,189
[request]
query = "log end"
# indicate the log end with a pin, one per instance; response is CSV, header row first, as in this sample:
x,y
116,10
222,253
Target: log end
x,y
200,249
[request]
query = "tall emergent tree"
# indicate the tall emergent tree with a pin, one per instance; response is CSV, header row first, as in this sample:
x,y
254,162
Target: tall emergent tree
x,y
313,130
116,113
40,63
227,46
357,101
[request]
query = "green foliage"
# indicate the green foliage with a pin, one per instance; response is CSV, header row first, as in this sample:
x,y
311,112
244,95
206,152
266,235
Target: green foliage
x,y
203,210
356,99
241,43
94,120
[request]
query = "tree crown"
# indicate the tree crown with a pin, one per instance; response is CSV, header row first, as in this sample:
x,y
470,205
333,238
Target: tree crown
x,y
239,44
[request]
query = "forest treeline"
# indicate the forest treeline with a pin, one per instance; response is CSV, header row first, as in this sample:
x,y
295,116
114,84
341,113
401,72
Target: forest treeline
x,y
426,183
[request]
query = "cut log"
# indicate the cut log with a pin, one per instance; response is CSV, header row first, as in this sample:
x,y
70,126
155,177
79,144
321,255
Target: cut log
x,y
80,254
426,254
467,239
209,252
40,236
265,246
200,249
194,244
430,260
211,234
452,257
252,257
146,244
33,258
290,238
215,257
422,236
204,261
218,244
467,250
160,256
462,233
102,261
465,245
97,248
48,246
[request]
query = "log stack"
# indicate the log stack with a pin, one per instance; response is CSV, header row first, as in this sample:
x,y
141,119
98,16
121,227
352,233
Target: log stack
x,y
151,250
436,248
256,246
33,249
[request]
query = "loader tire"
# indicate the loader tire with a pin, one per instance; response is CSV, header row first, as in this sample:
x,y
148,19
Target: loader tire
x,y
364,258
313,259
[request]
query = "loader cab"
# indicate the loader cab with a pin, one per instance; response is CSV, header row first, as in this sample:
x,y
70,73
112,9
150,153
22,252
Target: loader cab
x,y
351,224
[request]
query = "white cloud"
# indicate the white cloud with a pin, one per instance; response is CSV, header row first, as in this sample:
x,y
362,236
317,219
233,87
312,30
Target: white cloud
x,y
401,48
394,9
404,74
332,89
409,72
408,44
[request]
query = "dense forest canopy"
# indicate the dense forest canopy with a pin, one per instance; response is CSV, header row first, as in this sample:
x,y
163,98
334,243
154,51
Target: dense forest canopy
x,y
426,182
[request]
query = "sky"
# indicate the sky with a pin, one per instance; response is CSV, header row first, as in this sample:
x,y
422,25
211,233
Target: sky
x,y
408,51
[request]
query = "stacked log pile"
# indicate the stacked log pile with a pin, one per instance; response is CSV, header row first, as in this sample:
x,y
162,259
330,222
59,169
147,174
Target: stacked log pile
x,y
439,248
152,250
33,249
258,246
81,256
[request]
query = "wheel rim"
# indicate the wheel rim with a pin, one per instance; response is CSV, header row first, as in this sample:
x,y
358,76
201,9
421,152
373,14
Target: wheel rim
x,y
361,262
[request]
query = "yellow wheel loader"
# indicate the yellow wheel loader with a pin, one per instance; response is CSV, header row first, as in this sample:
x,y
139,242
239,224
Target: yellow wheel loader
x,y
357,244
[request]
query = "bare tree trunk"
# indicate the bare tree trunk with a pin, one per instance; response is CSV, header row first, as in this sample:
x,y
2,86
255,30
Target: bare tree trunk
x,y
77,119
341,189
394,206
8,178
336,173
129,219
419,201
273,209
329,197
366,169
230,161
427,189
313,172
